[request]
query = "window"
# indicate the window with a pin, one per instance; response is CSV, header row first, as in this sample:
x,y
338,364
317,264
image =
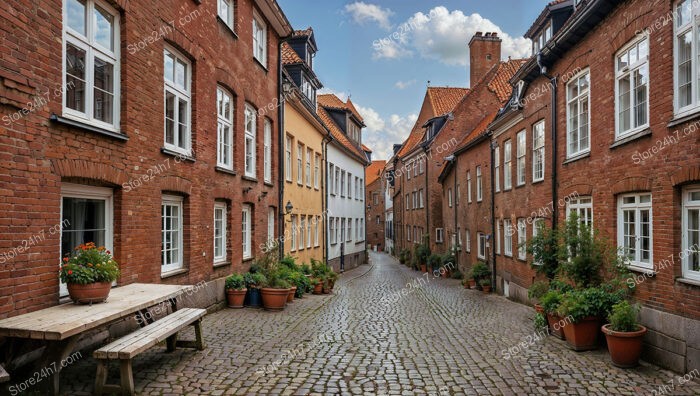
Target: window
x,y
293,225
583,208
267,152
507,179
226,12
632,74
317,225
342,184
91,63
635,229
578,134
302,230
247,231
309,154
408,202
250,143
439,234
538,152
469,186
317,171
687,79
172,247
421,165
224,109
219,232
309,220
522,239
468,245
481,240
337,182
459,239
333,235
421,200
416,236
300,164
498,237
271,227
408,174
308,89
415,168
508,238
537,227
691,233
259,40
177,102
408,233
288,159
449,197
479,185
86,214
348,233
349,195
520,170
497,170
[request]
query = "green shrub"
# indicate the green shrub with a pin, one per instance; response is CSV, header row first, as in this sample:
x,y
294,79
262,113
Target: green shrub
x,y
434,261
537,290
544,248
254,280
550,301
235,282
485,282
624,317
580,304
457,274
480,271
540,322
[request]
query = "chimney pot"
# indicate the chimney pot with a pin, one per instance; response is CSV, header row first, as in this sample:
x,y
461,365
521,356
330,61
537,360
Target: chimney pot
x,y
478,34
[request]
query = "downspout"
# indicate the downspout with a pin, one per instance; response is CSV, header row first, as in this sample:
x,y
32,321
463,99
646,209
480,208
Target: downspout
x,y
326,246
427,203
493,209
555,191
280,155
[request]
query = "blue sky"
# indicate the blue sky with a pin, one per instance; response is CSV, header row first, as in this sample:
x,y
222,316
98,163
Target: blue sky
x,y
360,55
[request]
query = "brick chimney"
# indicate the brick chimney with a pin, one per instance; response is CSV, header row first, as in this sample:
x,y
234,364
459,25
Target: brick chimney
x,y
484,53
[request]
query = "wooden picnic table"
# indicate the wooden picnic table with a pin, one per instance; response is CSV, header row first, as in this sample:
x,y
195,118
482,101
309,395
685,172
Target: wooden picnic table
x,y
61,326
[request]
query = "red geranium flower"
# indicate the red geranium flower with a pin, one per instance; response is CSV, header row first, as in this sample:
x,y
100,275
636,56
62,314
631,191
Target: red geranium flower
x,y
70,272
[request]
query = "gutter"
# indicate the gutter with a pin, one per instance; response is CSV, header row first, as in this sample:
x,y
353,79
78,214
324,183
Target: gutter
x,y
324,204
280,156
553,121
493,209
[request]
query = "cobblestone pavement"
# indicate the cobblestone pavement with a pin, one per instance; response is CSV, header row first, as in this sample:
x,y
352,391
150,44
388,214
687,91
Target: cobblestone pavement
x,y
437,339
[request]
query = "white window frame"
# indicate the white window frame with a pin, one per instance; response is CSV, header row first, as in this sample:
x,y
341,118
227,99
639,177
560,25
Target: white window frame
x,y
522,239
507,238
293,229
497,168
317,227
628,71
690,247
481,245
222,209
521,165
421,198
288,159
247,231
224,141
267,151
228,15
449,197
439,235
507,165
300,164
468,243
331,231
681,27
302,232
309,224
317,171
259,39
469,186
251,144
92,49
178,202
637,207
538,151
307,170
499,227
271,227
479,185
583,207
180,93
578,101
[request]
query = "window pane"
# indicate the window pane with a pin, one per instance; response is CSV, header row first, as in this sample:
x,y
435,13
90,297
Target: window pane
x,y
583,121
180,74
104,28
693,239
104,91
86,222
182,124
685,94
624,86
645,236
169,118
75,78
641,81
683,13
169,68
76,15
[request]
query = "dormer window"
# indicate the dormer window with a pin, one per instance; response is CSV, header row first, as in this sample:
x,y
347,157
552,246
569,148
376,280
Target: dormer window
x,y
309,57
542,38
429,132
353,131
308,89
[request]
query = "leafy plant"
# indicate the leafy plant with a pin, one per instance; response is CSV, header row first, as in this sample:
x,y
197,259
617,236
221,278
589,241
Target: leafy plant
x,y
254,280
289,262
235,282
540,322
423,251
89,264
276,280
434,261
305,269
550,301
545,251
457,274
624,317
480,271
582,253
580,304
485,282
537,290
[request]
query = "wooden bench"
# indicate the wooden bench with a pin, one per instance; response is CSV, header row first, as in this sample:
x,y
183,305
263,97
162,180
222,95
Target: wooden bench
x,y
4,376
128,347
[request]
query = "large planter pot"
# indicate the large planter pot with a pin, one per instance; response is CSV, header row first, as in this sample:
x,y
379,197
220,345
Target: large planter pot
x,y
236,298
92,293
253,298
292,292
318,288
583,335
558,330
424,268
486,289
539,309
472,284
625,348
274,299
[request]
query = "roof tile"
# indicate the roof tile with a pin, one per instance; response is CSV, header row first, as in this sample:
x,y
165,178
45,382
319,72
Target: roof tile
x,y
374,171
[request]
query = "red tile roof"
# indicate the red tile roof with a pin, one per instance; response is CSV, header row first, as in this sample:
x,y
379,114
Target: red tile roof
x,y
332,101
289,56
500,84
374,171
366,149
303,33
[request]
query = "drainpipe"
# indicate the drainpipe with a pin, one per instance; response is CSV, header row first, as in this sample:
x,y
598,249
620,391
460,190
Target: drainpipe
x,y
554,81
494,145
324,198
280,155
427,203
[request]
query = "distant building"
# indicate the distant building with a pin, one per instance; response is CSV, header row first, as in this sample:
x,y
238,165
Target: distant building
x,y
375,206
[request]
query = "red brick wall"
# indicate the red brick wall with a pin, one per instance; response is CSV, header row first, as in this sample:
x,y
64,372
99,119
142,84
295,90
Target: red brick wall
x,y
36,156
375,232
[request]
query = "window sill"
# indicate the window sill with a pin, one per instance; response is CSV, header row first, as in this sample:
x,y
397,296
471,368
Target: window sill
x,y
222,264
228,28
249,178
577,157
628,139
269,184
538,181
180,156
172,274
87,127
642,270
248,259
226,171
260,64
681,119
686,281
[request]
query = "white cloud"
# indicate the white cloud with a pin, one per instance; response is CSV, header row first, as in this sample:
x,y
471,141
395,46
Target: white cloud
x,y
381,135
404,84
362,13
443,35
340,94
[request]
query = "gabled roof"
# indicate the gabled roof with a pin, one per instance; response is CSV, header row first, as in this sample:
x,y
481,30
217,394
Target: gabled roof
x,y
555,4
500,84
366,149
289,56
306,33
331,101
374,171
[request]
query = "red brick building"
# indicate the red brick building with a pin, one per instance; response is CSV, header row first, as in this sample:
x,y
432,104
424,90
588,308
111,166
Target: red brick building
x,y
374,197
152,129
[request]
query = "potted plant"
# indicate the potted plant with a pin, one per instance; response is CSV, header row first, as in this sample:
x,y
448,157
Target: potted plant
x,y
253,283
541,324
584,311
448,263
275,292
235,291
481,271
485,285
470,280
535,292
550,303
422,254
545,248
317,285
89,273
434,262
624,335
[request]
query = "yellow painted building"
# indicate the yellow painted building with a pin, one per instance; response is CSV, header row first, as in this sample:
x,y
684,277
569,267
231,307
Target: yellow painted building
x,y
304,148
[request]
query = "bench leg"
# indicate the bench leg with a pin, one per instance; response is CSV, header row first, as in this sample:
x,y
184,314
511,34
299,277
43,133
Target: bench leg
x,y
172,342
199,341
127,377
101,376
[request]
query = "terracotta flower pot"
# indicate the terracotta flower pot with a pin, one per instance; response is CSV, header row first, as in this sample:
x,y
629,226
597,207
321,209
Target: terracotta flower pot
x,y
539,309
558,330
486,289
274,299
625,348
472,284
423,268
583,335
318,288
92,293
235,298
292,291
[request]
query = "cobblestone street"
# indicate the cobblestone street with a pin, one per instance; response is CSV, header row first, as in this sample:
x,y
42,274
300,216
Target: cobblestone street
x,y
438,339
